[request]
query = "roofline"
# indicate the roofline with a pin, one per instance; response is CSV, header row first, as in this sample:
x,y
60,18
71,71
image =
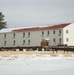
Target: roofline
x,y
58,26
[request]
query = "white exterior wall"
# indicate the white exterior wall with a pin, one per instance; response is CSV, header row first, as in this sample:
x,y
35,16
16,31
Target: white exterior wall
x,y
70,35
35,38
1,40
8,40
55,36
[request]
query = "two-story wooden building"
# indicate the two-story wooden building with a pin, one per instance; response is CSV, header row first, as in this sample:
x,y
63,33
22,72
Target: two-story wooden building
x,y
38,36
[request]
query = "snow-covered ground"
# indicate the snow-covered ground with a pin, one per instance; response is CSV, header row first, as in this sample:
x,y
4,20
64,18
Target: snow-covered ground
x,y
36,65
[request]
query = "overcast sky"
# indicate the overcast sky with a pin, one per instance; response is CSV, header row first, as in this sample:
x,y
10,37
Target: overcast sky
x,y
20,13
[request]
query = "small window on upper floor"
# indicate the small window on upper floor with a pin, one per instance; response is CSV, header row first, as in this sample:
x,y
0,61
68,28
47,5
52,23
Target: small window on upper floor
x,y
48,33
4,36
42,33
59,31
54,32
28,34
13,35
23,35
67,31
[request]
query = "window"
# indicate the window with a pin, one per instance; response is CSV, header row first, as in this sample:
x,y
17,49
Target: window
x,y
59,31
67,39
14,42
4,36
28,34
54,32
23,42
59,40
28,42
23,35
67,31
13,35
4,43
48,33
54,40
42,33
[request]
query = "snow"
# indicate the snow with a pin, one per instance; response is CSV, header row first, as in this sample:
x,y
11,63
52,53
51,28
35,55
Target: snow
x,y
36,65
10,29
7,30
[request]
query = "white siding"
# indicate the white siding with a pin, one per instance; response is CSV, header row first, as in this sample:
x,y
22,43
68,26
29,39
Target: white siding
x,y
70,35
1,40
8,39
35,38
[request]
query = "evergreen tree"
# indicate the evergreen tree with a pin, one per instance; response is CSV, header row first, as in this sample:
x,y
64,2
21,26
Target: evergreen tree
x,y
2,23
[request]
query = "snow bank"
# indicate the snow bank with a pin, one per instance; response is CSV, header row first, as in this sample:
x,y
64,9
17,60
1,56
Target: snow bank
x,y
36,65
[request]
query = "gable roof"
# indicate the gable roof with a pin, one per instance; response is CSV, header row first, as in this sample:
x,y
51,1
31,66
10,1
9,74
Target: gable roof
x,y
42,28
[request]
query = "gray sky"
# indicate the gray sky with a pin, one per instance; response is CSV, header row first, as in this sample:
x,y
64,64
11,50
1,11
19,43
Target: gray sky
x,y
20,13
